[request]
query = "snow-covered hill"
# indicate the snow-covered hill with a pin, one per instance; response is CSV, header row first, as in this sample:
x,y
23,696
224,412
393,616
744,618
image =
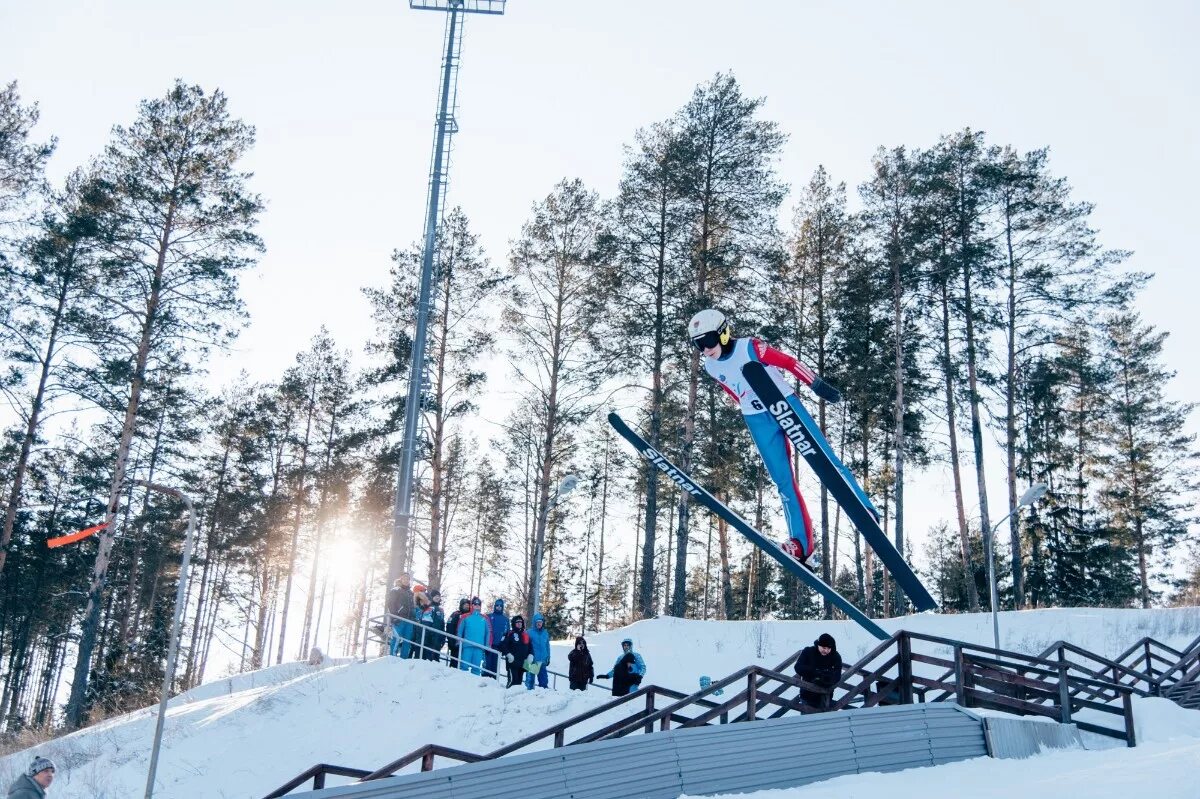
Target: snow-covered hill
x,y
245,735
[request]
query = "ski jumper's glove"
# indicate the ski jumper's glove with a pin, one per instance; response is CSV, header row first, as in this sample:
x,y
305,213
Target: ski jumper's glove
x,y
826,391
509,657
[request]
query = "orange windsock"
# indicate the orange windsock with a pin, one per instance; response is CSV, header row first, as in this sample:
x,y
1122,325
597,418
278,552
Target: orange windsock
x,y
63,540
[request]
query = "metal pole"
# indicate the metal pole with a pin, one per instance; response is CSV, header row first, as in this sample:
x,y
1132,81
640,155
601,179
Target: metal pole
x,y
173,646
402,515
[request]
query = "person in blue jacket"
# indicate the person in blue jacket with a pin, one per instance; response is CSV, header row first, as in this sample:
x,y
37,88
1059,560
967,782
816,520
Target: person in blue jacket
x,y
539,637
474,629
499,628
627,672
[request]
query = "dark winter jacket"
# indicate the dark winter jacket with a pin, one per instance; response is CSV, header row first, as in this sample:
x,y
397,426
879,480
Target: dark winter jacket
x,y
432,617
516,642
823,670
581,671
464,608
625,677
499,622
540,639
400,602
25,788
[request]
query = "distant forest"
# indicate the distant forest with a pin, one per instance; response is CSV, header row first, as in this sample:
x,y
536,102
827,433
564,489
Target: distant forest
x,y
963,304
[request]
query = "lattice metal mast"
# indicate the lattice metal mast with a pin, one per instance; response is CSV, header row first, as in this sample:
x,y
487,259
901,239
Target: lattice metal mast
x,y
446,127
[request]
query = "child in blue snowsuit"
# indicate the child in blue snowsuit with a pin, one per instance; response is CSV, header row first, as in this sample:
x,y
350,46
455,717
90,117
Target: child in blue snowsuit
x,y
539,637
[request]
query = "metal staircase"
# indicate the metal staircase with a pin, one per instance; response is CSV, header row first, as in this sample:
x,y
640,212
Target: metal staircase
x,y
908,669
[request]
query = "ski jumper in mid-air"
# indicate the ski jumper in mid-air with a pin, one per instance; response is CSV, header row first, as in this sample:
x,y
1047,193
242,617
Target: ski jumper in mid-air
x,y
724,357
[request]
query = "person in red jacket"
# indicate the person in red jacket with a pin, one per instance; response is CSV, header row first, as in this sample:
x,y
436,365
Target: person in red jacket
x,y
723,359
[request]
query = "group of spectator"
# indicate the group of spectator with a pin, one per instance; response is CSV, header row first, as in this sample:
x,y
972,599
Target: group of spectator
x,y
475,641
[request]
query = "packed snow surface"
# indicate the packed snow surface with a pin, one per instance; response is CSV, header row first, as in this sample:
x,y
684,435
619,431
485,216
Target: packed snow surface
x,y
245,735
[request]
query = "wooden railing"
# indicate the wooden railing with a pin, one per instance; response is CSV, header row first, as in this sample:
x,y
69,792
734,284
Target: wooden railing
x,y
907,668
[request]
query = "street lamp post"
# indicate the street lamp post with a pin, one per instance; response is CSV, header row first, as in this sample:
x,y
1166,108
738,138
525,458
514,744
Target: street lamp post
x,y
173,645
565,487
1031,495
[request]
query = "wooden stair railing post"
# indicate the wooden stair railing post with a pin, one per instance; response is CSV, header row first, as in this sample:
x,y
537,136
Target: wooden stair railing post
x,y
559,738
1064,694
427,761
751,694
960,677
650,711
1149,662
906,670
318,780
1127,709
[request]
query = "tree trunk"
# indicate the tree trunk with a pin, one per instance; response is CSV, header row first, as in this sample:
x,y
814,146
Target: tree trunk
x,y
1010,415
898,422
299,500
952,429
91,616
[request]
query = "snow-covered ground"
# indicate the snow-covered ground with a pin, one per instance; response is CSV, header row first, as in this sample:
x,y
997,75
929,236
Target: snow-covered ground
x,y
245,735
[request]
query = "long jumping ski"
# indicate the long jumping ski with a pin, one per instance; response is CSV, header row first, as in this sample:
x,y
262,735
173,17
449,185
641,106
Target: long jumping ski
x,y
686,483
802,431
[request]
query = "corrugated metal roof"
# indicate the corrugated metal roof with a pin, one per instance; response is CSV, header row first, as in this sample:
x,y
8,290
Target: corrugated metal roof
x,y
775,753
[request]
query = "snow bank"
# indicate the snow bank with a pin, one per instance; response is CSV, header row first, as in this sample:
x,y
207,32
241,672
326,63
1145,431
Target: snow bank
x,y
249,742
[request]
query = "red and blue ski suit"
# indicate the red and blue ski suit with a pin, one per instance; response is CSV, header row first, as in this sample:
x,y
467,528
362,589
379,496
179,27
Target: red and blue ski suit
x,y
771,441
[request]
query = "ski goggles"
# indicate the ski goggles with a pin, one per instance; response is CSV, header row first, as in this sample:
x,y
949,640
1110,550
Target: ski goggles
x,y
707,341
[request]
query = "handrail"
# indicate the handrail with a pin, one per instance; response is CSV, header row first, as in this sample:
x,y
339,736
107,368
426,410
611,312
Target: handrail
x,y
317,774
497,674
979,676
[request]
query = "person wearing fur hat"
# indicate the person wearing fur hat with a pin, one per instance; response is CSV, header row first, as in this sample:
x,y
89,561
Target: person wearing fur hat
x,y
34,782
819,664
582,670
517,648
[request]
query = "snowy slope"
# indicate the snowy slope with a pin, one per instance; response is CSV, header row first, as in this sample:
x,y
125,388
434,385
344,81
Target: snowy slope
x,y
245,735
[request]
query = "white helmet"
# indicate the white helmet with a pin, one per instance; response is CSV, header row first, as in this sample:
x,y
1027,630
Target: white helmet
x,y
709,328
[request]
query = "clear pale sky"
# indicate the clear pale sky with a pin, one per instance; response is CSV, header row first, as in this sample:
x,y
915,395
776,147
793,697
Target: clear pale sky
x,y
342,95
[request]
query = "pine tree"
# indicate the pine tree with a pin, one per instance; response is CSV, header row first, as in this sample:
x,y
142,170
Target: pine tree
x,y
22,163
730,194
645,251
460,337
178,225
1149,475
549,312
47,288
889,215
1053,270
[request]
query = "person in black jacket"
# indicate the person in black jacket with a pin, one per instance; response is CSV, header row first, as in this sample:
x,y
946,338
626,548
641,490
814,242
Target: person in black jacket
x,y
821,665
400,607
581,671
452,644
517,648
434,621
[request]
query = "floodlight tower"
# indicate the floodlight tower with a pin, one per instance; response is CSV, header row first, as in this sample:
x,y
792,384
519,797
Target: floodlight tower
x,y
438,172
